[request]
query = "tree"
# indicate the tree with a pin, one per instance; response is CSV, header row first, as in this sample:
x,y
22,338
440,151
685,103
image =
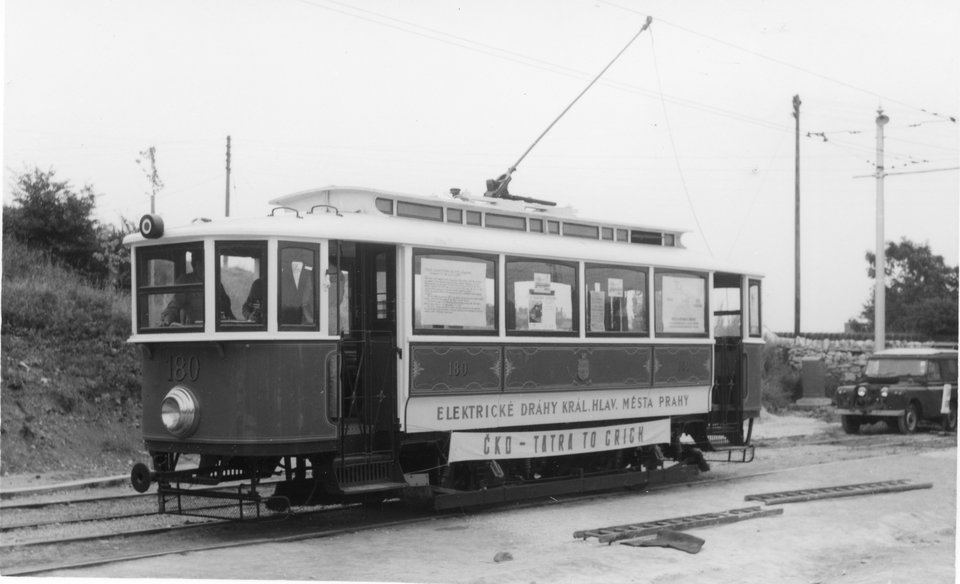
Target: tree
x,y
921,291
50,215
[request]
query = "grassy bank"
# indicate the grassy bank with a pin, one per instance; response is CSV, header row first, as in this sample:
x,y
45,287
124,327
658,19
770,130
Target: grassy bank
x,y
70,393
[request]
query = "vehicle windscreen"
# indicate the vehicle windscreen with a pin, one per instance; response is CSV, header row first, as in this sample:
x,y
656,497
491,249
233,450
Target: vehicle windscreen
x,y
896,368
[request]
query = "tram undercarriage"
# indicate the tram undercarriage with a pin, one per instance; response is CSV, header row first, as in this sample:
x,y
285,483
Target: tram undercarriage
x,y
417,475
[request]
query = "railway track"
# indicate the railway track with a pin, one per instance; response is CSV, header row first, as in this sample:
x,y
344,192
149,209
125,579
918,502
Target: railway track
x,y
103,540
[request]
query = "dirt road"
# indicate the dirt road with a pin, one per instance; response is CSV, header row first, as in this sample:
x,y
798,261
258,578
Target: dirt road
x,y
898,537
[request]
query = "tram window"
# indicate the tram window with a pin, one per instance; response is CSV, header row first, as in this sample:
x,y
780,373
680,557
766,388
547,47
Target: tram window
x,y
541,296
473,217
755,329
680,300
337,285
297,287
454,216
616,299
536,225
506,222
170,288
725,301
241,279
454,292
580,230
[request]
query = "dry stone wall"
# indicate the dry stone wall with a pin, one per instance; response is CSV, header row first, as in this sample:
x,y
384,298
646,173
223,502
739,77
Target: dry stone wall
x,y
843,359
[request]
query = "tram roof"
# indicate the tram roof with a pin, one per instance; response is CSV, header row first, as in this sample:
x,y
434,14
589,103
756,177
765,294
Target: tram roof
x,y
351,213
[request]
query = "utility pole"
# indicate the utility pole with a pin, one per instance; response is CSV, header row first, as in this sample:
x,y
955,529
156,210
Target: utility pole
x,y
796,214
228,177
880,264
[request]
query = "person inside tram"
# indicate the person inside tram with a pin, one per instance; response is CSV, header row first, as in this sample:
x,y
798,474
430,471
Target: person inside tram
x,y
252,309
296,292
186,308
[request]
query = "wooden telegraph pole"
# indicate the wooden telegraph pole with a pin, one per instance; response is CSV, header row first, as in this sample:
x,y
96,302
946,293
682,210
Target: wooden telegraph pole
x,y
228,177
796,214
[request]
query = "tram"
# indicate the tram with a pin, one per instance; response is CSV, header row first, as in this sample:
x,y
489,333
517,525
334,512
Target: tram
x,y
360,344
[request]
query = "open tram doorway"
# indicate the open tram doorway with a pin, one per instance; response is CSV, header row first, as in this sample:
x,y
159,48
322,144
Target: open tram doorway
x,y
363,313
727,416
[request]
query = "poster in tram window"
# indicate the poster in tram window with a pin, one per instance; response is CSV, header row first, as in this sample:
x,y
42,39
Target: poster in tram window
x,y
542,305
454,293
681,304
598,301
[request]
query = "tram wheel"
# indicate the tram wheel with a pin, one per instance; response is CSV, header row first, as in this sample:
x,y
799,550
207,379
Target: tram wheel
x,y
908,421
851,424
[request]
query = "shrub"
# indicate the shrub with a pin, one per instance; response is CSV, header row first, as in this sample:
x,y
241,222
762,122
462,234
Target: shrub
x,y
780,383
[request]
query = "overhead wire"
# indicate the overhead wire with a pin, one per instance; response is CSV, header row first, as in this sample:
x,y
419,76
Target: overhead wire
x,y
947,117
673,146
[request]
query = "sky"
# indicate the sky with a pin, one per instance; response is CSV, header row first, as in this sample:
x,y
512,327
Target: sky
x,y
691,126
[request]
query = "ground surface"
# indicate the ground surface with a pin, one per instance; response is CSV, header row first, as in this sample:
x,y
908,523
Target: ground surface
x,y
899,537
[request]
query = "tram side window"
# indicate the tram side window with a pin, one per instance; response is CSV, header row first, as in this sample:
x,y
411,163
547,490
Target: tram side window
x,y
297,287
680,300
242,283
616,299
541,296
454,292
337,284
170,288
754,328
725,301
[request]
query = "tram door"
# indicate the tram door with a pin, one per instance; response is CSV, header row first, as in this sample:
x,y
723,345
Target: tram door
x,y
367,324
728,358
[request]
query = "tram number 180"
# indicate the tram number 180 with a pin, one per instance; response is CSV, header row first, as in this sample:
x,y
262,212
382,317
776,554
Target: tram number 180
x,y
457,369
182,368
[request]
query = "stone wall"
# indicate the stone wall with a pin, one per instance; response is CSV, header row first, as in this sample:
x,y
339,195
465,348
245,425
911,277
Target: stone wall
x,y
843,359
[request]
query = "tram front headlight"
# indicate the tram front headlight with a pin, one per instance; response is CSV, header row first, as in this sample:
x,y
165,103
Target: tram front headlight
x,y
180,412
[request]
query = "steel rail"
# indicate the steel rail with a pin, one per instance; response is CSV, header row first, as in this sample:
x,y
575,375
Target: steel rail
x,y
707,481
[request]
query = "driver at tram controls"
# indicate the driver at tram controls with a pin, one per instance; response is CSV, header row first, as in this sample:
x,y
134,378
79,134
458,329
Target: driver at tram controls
x,y
252,309
186,308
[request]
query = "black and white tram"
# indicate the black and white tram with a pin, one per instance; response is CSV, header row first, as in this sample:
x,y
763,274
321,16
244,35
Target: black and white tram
x,y
358,344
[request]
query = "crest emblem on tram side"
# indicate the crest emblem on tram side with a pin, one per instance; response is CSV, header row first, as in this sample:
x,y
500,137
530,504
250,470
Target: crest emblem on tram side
x,y
583,368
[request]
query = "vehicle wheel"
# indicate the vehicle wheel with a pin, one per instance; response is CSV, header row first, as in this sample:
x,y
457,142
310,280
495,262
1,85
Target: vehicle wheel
x,y
908,421
950,421
851,424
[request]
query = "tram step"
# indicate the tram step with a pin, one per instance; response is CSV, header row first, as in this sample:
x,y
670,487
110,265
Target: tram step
x,y
892,486
361,489
730,454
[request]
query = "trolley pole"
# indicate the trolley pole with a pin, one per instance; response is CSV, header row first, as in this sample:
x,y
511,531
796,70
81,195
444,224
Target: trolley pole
x,y
880,263
228,178
796,213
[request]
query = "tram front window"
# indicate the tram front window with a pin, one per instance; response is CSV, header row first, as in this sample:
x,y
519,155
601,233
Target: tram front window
x,y
241,281
170,288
